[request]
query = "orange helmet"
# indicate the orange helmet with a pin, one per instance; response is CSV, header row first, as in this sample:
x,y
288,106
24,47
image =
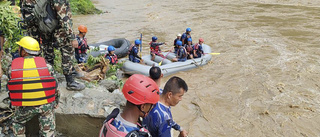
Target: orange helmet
x,y
83,29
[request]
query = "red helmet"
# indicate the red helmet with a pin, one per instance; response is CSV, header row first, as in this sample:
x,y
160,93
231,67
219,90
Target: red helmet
x,y
201,40
140,89
82,29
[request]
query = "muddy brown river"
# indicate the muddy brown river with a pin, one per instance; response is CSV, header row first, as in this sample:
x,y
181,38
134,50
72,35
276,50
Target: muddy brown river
x,y
264,83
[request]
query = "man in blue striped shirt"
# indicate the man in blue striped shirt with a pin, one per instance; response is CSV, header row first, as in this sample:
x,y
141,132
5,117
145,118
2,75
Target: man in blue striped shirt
x,y
159,121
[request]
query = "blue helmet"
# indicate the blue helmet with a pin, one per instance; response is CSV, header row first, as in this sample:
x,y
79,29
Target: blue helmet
x,y
179,43
188,29
137,42
154,38
111,48
189,39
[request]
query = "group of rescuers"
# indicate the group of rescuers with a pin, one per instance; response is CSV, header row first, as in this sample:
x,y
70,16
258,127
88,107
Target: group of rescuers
x,y
183,48
32,83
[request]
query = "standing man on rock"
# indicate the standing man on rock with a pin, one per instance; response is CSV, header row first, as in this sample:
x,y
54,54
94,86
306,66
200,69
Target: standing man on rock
x,y
32,89
49,21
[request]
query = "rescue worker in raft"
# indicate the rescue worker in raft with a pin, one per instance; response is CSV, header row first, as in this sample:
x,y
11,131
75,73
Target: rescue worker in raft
x,y
133,52
176,47
111,56
189,48
141,93
81,51
185,36
182,52
155,48
32,89
197,49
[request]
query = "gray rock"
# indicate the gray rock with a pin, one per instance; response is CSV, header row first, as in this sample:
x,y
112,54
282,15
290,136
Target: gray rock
x,y
90,101
110,85
78,95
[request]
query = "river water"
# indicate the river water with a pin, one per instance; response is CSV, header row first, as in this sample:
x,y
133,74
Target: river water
x,y
264,83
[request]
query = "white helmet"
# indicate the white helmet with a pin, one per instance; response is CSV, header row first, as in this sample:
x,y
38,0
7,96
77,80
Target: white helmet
x,y
178,35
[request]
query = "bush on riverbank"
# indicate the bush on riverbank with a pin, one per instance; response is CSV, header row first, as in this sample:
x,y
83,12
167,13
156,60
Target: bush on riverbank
x,y
83,7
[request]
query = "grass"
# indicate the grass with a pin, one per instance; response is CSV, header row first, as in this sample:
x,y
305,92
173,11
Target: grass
x,y
83,7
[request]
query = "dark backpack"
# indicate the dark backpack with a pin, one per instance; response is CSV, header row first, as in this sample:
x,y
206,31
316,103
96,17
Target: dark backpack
x,y
43,15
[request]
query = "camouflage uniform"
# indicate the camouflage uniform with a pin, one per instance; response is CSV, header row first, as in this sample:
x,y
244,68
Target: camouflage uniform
x,y
46,119
45,114
61,37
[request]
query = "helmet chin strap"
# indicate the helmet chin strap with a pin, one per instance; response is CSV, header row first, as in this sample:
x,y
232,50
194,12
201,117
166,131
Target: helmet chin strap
x,y
144,113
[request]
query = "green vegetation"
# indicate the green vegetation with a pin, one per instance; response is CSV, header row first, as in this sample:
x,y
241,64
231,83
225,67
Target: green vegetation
x,y
83,7
57,61
9,25
92,61
112,74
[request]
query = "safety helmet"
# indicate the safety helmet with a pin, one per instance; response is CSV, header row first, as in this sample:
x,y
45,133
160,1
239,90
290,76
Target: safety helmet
x,y
111,48
201,40
30,45
188,29
140,89
189,39
137,42
179,43
178,35
154,38
82,29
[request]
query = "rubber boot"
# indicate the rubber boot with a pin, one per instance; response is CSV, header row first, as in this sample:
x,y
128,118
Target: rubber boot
x,y
73,85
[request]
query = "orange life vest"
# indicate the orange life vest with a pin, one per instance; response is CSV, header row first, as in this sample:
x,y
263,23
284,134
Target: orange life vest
x,y
154,47
31,83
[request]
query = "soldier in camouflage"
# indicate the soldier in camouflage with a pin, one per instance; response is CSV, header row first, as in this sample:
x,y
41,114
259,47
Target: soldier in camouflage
x,y
62,37
23,113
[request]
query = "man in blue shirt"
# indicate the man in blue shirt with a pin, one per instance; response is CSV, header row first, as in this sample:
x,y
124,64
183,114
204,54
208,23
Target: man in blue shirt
x,y
159,121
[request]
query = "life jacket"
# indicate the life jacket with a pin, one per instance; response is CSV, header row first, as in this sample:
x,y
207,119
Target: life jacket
x,y
43,14
108,130
196,47
114,58
184,54
154,47
31,83
82,48
130,49
189,48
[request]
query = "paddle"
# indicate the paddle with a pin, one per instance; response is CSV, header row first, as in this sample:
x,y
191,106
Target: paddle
x,y
213,53
140,44
165,57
